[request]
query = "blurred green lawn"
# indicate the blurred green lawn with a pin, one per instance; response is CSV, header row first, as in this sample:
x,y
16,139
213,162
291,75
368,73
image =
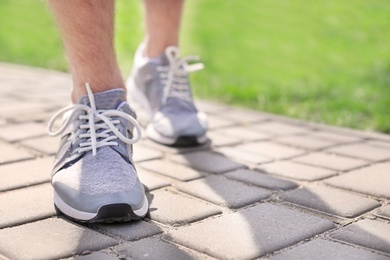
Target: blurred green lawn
x,y
324,61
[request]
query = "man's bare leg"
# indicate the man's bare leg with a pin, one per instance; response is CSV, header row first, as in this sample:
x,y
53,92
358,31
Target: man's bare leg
x,y
159,79
162,19
87,29
94,178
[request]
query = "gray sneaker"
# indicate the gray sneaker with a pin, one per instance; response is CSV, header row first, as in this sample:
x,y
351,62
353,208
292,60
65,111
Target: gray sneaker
x,y
94,178
163,89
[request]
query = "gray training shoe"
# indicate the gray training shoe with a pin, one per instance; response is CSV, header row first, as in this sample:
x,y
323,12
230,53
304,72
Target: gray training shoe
x,y
94,178
162,88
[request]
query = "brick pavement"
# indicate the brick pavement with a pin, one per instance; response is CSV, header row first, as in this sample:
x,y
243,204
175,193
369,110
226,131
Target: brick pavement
x,y
264,187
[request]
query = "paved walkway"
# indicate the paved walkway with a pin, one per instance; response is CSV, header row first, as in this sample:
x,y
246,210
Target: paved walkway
x,y
266,187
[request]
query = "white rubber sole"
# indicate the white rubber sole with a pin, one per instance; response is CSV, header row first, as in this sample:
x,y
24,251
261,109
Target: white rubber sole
x,y
86,216
157,137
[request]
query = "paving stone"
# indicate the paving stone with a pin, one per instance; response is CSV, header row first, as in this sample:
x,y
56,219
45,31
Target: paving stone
x,y
17,109
27,204
384,212
219,139
2,122
50,239
210,107
332,201
152,248
379,143
95,256
142,153
251,233
224,192
171,169
218,122
367,233
296,171
331,161
243,156
10,153
245,133
47,145
38,117
368,180
362,150
276,128
173,150
243,116
17,132
335,137
173,208
325,249
151,180
207,161
262,180
26,173
130,231
2,257
305,141
273,150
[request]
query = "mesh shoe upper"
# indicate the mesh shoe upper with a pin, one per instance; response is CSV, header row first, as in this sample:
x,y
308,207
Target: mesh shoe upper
x,y
164,90
95,155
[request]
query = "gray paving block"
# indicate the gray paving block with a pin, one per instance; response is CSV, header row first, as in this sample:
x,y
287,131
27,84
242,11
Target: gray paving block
x,y
50,239
243,116
367,233
331,161
325,249
173,150
171,169
134,230
250,233
219,139
151,180
25,173
94,256
27,204
173,208
305,141
335,137
47,145
215,121
363,150
20,108
368,180
17,132
142,153
379,143
243,156
296,171
224,192
260,179
244,133
11,153
332,201
207,161
211,107
384,212
152,248
277,128
270,149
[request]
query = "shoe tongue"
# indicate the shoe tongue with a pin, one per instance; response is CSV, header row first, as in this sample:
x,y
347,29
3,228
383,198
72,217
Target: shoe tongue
x,y
109,99
163,59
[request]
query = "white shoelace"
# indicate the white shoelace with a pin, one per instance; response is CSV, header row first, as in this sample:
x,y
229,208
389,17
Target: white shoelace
x,y
175,75
96,120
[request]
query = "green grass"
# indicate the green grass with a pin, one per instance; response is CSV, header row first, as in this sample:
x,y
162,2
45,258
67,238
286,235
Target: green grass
x,y
324,61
